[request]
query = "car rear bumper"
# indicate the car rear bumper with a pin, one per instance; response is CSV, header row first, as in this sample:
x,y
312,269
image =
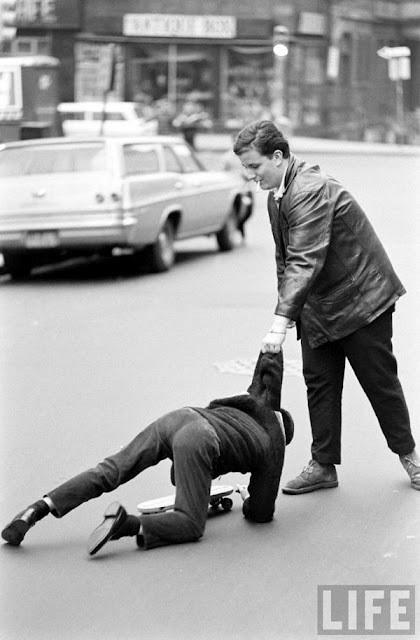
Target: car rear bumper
x,y
48,236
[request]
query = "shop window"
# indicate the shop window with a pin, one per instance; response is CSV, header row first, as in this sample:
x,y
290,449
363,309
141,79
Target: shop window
x,y
173,73
314,65
249,75
311,111
30,46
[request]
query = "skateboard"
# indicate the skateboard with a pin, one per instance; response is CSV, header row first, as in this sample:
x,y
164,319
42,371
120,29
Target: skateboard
x,y
218,498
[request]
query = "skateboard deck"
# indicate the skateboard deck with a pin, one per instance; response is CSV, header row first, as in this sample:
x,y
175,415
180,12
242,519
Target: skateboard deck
x,y
218,497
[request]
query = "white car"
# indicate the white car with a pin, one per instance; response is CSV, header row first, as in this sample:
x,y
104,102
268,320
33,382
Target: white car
x,y
108,119
62,197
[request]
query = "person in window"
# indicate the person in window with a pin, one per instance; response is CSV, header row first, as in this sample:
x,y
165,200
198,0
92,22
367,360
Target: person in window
x,y
190,120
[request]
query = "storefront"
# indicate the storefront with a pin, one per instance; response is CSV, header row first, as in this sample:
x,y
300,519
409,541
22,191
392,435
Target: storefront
x,y
222,62
48,27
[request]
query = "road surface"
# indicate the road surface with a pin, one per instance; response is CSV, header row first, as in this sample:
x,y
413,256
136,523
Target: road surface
x,y
92,352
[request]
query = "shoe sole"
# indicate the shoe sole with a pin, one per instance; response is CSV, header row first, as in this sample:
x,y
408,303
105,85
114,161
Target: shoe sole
x,y
314,487
100,536
15,532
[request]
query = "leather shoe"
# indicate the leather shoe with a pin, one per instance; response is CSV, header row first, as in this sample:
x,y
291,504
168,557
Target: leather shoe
x,y
114,516
16,530
411,464
313,477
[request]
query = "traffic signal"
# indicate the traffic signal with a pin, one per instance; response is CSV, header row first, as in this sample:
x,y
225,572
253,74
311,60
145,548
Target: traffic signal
x,y
7,20
280,40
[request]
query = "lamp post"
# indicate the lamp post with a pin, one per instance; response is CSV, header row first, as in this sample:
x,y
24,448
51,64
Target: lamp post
x,y
398,70
280,52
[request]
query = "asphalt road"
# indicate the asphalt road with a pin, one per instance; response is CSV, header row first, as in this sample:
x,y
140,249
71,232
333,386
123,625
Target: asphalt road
x,y
93,351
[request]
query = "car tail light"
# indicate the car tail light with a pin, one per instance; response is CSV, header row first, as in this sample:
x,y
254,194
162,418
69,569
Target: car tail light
x,y
115,197
99,198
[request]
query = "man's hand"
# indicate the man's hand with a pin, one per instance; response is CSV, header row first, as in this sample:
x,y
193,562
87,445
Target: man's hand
x,y
272,341
243,490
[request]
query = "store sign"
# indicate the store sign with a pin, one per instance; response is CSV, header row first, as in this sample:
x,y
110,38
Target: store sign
x,y
48,13
314,24
178,26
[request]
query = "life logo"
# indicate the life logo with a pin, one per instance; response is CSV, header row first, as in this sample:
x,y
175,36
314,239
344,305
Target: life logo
x,y
366,610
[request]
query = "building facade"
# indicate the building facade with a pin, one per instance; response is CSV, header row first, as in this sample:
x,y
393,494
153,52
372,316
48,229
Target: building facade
x,y
219,53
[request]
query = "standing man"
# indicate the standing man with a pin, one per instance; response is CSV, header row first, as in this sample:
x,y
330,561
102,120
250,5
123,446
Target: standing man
x,y
337,283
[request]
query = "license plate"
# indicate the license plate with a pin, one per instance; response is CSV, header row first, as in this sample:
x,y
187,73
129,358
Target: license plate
x,y
42,239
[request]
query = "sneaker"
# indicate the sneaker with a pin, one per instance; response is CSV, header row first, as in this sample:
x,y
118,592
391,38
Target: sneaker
x,y
17,529
114,517
314,476
411,464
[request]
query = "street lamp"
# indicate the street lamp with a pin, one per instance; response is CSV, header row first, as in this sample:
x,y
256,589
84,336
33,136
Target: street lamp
x,y
280,41
280,50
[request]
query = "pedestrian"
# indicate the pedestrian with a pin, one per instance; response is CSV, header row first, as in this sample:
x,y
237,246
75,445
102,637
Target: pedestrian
x,y
337,283
190,120
244,433
231,163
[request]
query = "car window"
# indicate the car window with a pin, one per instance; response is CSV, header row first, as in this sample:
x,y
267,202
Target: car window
x,y
113,115
140,158
52,159
73,115
171,161
188,161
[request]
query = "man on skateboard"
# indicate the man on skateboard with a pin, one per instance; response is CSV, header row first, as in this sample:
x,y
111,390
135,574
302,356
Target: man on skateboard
x,y
244,433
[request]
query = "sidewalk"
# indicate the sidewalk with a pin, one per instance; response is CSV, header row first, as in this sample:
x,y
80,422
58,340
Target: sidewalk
x,y
221,142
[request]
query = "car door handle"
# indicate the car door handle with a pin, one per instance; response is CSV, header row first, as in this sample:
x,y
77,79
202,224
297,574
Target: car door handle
x,y
179,185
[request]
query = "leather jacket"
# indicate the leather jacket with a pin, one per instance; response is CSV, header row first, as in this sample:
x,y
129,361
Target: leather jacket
x,y
334,275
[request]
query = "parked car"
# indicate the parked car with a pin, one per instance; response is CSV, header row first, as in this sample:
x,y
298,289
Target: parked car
x,y
62,197
108,119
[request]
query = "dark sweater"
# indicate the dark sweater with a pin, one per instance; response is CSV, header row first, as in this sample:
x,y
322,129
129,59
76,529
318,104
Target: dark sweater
x,y
251,440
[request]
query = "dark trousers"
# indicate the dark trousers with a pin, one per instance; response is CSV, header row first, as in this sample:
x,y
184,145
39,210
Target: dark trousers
x,y
369,352
185,437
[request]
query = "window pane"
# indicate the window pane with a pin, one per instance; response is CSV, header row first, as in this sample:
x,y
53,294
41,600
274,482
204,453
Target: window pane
x,y
188,161
171,162
57,159
248,85
140,159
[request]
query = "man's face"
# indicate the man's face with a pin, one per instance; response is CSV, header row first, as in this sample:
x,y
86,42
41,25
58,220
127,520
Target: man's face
x,y
265,170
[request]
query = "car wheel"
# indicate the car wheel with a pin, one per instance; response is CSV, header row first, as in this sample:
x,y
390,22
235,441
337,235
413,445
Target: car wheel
x,y
17,265
161,254
227,236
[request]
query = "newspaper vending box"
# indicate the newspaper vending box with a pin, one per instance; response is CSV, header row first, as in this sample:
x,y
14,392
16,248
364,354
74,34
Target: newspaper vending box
x,y
28,97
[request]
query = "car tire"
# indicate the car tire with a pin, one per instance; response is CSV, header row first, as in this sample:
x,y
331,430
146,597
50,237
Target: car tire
x,y
227,236
17,265
161,254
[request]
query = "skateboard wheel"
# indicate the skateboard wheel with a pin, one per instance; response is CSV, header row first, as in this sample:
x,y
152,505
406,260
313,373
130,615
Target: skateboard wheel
x,y
227,504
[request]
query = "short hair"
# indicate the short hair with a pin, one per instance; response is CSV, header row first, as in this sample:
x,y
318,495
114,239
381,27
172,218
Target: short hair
x,y
263,136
